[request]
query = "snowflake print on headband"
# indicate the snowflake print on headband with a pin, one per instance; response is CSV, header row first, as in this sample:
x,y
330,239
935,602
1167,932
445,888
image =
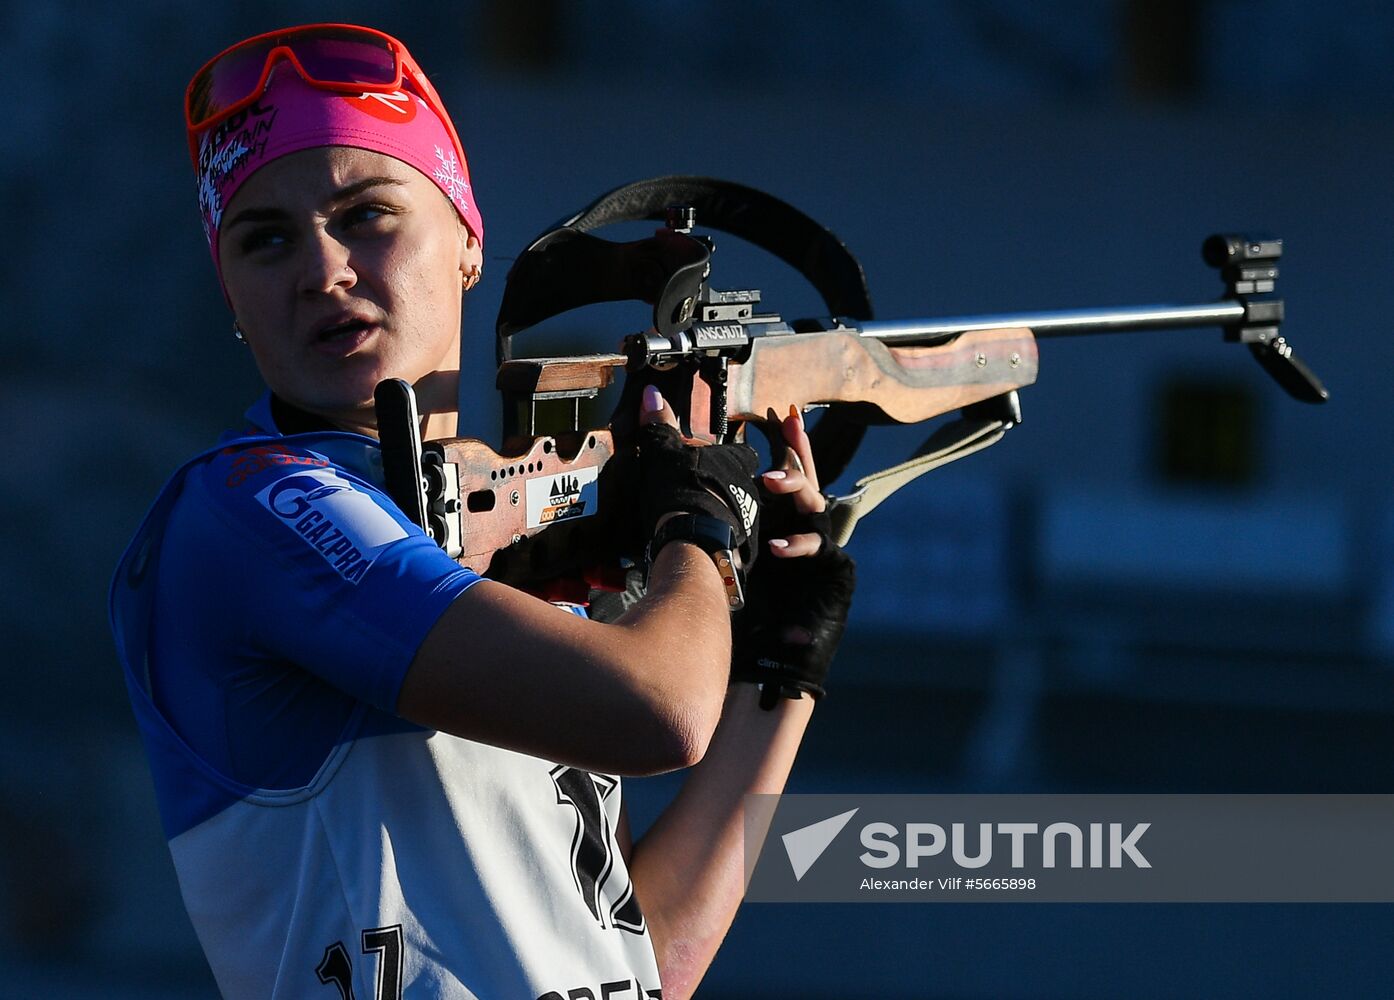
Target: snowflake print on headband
x,y
450,179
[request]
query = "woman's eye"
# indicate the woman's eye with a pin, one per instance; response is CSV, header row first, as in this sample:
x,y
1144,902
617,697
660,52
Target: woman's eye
x,y
262,238
367,213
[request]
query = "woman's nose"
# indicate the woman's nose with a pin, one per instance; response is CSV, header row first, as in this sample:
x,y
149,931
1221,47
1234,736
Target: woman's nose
x,y
326,265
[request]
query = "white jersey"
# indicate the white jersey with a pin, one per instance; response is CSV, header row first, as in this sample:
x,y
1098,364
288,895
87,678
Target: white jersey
x,y
506,880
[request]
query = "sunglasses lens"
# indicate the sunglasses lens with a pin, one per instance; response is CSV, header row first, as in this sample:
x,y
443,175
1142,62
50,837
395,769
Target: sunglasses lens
x,y
327,55
226,81
347,58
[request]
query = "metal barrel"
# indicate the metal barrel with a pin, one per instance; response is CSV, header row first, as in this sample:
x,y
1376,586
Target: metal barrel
x,y
1057,323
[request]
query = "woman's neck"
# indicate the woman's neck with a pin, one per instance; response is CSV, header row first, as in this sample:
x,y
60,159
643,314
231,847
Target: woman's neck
x,y
437,401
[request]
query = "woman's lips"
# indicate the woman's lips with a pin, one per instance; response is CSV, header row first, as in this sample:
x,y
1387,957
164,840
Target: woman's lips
x,y
345,338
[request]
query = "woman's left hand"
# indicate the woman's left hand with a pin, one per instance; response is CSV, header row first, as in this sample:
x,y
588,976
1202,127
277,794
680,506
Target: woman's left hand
x,y
800,591
797,479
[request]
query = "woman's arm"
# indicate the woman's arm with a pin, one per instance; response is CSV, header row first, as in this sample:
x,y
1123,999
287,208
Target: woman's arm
x,y
640,696
637,697
689,868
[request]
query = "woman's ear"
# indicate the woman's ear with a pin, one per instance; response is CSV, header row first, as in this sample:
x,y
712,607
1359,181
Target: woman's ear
x,y
471,259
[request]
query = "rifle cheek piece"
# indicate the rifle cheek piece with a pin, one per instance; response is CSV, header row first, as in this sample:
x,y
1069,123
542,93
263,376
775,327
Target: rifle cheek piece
x,y
566,269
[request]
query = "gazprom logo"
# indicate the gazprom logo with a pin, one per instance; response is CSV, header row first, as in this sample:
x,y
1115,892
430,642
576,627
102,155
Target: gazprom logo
x,y
342,523
292,497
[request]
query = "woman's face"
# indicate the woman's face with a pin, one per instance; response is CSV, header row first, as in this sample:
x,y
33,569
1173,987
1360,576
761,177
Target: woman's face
x,y
344,267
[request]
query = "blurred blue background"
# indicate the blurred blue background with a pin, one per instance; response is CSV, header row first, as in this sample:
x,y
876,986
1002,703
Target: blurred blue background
x,y
1170,577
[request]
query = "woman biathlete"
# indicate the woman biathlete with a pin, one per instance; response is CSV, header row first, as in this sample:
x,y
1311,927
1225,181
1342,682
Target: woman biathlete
x,y
381,776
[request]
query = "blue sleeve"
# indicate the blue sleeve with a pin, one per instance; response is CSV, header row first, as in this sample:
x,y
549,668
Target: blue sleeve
x,y
335,578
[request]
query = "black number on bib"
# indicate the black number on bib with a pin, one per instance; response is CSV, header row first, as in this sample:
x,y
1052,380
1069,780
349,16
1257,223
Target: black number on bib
x,y
592,853
387,942
337,968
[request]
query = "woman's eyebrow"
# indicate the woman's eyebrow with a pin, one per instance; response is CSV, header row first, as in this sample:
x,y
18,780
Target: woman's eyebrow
x,y
256,215
357,187
341,195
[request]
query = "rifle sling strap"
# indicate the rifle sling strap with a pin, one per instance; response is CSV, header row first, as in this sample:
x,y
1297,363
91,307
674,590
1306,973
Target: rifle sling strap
x,y
957,440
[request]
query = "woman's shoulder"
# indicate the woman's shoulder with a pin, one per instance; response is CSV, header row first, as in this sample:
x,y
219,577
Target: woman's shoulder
x,y
260,452
254,476
245,460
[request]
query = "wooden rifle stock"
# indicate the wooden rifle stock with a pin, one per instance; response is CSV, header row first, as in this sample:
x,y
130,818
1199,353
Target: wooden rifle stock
x,y
552,505
907,384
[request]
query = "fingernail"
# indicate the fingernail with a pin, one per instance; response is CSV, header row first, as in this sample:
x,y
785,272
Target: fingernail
x,y
774,474
794,412
653,399
779,543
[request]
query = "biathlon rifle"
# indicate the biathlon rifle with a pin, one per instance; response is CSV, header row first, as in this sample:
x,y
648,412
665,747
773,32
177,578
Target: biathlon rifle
x,y
545,506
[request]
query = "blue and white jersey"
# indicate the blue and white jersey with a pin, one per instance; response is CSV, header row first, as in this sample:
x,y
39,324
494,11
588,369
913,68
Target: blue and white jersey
x,y
266,614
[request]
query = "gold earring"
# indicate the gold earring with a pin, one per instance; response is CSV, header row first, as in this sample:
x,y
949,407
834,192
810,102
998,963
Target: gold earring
x,y
472,277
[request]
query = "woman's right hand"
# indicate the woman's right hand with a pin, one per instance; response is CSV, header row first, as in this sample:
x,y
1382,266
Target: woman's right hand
x,y
677,476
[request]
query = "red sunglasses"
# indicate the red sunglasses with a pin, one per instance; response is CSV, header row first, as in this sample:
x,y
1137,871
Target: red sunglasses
x,y
343,58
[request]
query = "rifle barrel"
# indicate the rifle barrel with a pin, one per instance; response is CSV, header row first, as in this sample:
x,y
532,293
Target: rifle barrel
x,y
1059,323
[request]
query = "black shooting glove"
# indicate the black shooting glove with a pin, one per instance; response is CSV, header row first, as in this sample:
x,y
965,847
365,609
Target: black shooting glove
x,y
717,480
813,593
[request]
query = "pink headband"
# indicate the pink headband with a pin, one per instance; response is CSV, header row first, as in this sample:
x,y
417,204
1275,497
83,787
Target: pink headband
x,y
291,115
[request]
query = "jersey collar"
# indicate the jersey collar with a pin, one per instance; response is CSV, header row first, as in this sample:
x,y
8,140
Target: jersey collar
x,y
273,415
